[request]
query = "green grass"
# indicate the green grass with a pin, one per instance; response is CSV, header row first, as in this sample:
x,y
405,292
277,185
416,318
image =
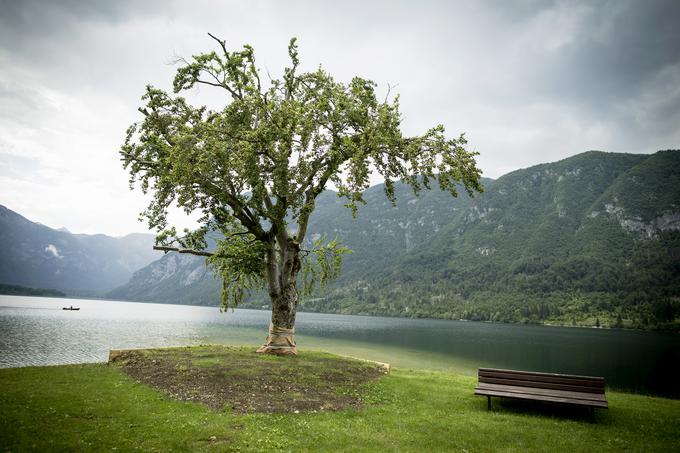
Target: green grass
x,y
98,408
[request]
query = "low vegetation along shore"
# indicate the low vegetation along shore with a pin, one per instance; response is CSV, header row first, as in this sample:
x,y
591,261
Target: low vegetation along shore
x,y
230,399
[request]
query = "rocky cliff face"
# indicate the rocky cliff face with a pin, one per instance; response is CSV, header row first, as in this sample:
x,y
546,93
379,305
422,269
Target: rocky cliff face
x,y
170,278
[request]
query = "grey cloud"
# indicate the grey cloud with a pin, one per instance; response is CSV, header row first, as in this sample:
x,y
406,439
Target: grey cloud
x,y
45,17
65,40
615,50
529,80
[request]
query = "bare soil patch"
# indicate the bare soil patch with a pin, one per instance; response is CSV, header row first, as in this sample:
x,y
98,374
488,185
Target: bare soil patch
x,y
239,379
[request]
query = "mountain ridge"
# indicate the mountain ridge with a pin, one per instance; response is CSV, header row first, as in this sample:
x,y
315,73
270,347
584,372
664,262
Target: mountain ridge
x,y
538,251
36,255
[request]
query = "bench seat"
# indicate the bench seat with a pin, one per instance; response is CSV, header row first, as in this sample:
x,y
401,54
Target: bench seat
x,y
575,390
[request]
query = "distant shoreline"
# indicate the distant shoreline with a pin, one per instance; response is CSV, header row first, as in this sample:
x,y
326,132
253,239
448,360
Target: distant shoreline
x,y
542,324
17,290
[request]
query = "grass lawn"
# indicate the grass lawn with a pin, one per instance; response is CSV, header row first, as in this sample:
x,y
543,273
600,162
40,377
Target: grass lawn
x,y
98,407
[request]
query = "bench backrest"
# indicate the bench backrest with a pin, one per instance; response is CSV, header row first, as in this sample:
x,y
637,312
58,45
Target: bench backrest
x,y
551,381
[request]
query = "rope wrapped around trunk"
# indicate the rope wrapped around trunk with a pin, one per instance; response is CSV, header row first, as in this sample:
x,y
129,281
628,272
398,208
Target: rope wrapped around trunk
x,y
280,341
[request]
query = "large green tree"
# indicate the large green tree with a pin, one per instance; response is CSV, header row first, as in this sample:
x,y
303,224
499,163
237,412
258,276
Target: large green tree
x,y
254,169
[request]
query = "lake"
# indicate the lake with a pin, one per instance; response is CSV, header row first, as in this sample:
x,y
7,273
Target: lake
x,y
36,331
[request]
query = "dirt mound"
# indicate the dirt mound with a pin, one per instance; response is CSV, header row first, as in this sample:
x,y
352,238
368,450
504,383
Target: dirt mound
x,y
245,382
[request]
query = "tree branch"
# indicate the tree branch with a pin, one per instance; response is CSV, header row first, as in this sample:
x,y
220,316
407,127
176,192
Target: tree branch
x,y
179,250
222,43
303,219
273,272
134,158
212,84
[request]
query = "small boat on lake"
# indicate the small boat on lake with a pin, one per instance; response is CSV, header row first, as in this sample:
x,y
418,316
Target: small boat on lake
x,y
71,308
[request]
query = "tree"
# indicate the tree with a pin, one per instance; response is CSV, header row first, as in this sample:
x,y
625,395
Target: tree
x,y
254,169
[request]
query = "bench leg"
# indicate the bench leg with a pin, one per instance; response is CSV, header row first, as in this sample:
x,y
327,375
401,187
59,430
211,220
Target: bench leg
x,y
488,403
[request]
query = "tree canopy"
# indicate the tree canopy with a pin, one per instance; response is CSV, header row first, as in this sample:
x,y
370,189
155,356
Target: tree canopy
x,y
254,169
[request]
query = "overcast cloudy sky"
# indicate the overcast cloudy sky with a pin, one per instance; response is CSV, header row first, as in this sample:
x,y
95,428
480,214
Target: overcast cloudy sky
x,y
528,81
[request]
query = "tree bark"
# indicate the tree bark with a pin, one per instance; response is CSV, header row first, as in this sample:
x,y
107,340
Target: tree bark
x,y
281,338
284,298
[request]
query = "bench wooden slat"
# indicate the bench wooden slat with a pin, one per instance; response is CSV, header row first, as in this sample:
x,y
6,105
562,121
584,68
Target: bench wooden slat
x,y
539,391
552,399
597,383
541,374
543,385
550,387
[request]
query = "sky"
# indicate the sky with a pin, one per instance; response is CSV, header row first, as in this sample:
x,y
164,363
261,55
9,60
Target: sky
x,y
527,81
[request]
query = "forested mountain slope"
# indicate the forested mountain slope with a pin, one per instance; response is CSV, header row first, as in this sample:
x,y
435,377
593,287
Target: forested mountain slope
x,y
594,238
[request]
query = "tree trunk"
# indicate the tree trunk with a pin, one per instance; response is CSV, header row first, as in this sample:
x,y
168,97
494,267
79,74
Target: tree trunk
x,y
281,338
284,297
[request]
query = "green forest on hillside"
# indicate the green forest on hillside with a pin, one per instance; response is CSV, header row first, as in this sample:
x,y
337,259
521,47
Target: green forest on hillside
x,y
549,244
591,240
16,290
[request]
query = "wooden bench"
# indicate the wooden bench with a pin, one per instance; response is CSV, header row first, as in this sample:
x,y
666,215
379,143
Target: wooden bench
x,y
584,391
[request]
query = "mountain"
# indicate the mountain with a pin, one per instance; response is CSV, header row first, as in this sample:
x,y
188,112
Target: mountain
x,y
78,264
589,240
592,239
393,230
175,279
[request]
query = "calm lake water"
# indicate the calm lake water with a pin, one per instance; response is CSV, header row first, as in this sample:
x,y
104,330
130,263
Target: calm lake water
x,y
36,331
